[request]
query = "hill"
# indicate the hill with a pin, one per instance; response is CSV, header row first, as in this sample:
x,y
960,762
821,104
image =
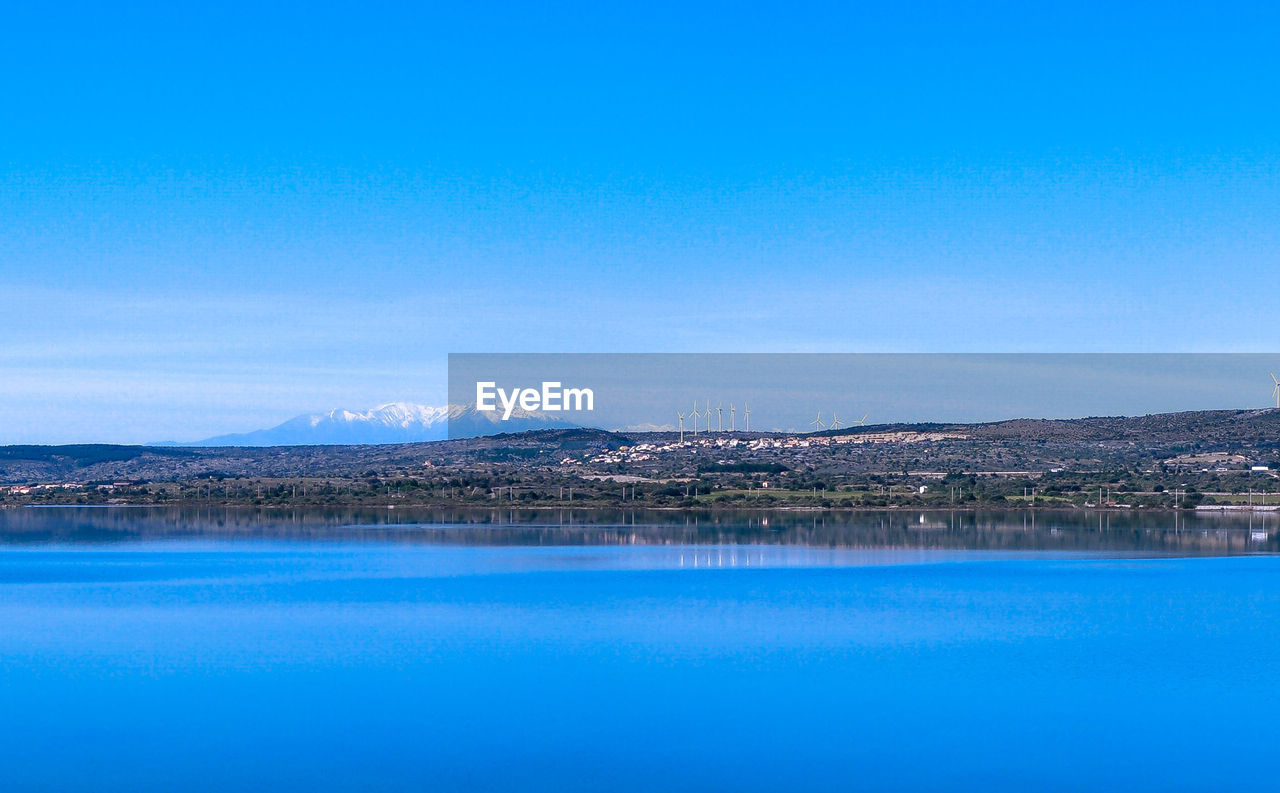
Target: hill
x,y
1018,443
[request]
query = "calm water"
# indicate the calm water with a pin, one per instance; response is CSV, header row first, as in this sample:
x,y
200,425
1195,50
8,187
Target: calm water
x,y
149,650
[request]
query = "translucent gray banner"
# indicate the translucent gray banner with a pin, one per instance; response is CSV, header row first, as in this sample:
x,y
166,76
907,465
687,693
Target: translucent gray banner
x,y
492,393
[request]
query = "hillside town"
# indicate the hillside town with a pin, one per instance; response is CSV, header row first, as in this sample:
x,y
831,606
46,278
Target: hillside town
x,y
1219,460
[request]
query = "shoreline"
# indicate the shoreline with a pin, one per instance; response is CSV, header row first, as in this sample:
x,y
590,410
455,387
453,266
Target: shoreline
x,y
1200,509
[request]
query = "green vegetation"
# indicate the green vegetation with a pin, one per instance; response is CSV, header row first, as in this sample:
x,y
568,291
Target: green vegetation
x,y
1218,458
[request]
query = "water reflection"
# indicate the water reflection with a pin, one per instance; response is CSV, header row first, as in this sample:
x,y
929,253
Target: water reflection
x,y
1077,530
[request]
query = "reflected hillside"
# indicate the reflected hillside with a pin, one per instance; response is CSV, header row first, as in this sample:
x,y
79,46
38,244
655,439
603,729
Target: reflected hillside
x,y
1077,530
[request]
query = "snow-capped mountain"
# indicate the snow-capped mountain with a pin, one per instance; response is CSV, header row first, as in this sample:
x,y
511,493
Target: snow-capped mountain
x,y
395,422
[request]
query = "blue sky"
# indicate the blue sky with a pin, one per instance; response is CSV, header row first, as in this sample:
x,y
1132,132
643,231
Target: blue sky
x,y
214,219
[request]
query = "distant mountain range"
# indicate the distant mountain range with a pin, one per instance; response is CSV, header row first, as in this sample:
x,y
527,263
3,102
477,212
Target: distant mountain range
x,y
395,422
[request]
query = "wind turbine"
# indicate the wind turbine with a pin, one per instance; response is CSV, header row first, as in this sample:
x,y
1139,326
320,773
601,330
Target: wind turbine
x,y
733,422
746,417
817,422
1275,392
695,418
681,415
862,421
835,421
708,415
720,417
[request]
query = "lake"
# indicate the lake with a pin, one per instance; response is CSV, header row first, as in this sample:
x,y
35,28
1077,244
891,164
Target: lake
x,y
394,650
